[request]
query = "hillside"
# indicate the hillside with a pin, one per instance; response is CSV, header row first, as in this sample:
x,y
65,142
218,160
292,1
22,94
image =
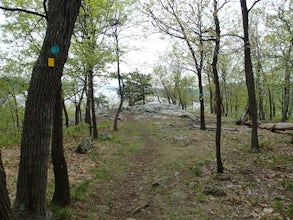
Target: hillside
x,y
158,166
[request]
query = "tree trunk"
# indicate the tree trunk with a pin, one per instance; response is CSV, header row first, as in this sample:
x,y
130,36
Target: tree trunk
x,y
87,118
77,113
212,110
201,101
5,208
30,202
286,95
270,103
65,113
62,190
92,105
220,168
249,78
120,81
16,111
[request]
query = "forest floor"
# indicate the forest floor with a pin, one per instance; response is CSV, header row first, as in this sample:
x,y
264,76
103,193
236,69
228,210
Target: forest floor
x,y
162,168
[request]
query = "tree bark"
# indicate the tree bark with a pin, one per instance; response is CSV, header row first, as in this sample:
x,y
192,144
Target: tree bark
x,y
120,81
249,78
92,105
286,99
5,208
30,202
77,114
270,103
65,113
61,194
220,168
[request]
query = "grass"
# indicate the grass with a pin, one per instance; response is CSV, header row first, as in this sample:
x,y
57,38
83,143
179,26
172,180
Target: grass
x,y
119,173
59,212
80,191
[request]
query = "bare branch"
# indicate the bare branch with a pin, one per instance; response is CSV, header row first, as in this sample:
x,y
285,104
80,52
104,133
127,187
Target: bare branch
x,y
254,3
226,1
23,10
45,9
232,35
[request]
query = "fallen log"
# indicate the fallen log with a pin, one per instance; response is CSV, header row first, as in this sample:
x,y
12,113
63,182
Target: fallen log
x,y
209,128
273,126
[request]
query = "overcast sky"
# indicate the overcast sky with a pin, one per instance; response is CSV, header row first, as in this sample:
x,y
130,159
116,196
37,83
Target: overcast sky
x,y
147,50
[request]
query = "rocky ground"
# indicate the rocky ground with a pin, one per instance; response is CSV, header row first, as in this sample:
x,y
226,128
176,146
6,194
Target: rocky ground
x,y
158,166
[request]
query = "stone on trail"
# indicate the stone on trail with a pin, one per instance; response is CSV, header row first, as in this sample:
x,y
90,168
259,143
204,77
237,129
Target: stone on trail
x,y
106,137
84,146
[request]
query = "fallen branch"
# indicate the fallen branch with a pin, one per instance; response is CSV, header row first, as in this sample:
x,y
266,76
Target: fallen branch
x,y
273,126
209,128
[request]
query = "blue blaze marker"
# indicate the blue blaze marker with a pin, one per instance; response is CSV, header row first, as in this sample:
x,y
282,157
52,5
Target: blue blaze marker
x,y
55,49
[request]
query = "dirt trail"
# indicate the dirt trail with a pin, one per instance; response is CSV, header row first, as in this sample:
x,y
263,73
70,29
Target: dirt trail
x,y
133,196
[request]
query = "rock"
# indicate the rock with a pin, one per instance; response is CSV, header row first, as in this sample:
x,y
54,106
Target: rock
x,y
105,137
159,110
138,138
84,146
179,138
161,181
120,117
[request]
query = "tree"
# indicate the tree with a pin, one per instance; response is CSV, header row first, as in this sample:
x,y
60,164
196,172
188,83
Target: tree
x,y
30,202
220,168
280,43
119,23
61,194
176,19
12,87
90,53
5,208
137,87
252,106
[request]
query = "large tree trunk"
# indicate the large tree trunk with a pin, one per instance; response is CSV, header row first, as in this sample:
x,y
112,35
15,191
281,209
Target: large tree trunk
x,y
220,168
30,202
249,78
62,190
5,209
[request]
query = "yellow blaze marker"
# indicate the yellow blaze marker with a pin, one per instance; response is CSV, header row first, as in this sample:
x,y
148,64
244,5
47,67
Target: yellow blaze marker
x,y
51,62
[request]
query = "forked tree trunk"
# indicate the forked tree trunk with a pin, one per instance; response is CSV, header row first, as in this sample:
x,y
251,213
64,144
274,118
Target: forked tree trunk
x,y
249,78
5,209
61,194
30,202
